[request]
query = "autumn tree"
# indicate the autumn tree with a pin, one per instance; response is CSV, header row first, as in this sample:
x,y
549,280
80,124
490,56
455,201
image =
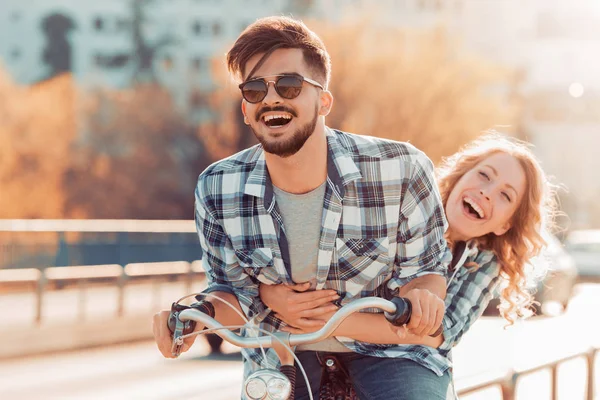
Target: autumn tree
x,y
37,130
416,86
139,157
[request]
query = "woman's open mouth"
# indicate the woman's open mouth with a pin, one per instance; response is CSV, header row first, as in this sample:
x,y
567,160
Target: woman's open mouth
x,y
472,208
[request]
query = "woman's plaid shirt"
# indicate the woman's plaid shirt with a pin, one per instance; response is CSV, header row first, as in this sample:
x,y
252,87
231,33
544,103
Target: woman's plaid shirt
x,y
469,292
383,224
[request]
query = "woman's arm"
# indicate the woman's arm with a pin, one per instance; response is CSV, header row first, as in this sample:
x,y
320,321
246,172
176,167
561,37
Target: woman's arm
x,y
468,296
374,328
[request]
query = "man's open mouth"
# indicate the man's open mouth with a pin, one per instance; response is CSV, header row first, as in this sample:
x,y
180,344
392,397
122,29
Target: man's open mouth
x,y
473,208
277,120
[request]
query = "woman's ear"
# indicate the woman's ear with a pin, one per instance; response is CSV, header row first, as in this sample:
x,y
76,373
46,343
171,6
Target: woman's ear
x,y
326,99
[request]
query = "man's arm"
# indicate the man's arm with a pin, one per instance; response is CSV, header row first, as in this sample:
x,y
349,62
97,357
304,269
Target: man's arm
x,y
226,279
422,255
226,316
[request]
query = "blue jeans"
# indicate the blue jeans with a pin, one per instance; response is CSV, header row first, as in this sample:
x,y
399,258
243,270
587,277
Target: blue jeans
x,y
376,378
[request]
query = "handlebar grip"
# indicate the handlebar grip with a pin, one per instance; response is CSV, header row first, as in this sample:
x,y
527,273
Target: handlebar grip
x,y
403,314
403,311
188,326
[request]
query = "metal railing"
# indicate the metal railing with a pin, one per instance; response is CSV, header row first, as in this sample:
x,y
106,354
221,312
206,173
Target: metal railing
x,y
56,278
83,277
508,382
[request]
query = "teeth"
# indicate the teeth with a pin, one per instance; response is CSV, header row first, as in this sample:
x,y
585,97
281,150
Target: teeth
x,y
475,207
270,117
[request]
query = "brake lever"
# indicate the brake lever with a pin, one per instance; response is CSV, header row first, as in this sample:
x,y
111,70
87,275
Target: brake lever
x,y
177,336
178,328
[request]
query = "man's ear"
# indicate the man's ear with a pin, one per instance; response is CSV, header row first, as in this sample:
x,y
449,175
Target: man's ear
x,y
503,229
243,105
326,99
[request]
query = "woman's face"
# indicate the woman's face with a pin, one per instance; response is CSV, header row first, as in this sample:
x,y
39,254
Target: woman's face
x,y
486,197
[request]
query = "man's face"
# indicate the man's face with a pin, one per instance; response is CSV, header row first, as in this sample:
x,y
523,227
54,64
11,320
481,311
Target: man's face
x,y
295,119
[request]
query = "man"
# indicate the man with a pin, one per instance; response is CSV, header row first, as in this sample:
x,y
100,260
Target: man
x,y
348,215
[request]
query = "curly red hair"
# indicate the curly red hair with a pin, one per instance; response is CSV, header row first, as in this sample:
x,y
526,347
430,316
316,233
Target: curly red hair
x,y
535,212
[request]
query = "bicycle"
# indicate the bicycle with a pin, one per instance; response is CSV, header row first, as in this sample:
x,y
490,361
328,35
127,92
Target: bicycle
x,y
272,384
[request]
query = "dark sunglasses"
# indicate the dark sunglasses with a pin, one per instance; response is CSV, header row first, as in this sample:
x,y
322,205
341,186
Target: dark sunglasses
x,y
286,86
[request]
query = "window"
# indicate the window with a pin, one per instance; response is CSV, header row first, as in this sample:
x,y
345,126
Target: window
x,y
197,28
196,64
123,24
100,60
98,24
217,29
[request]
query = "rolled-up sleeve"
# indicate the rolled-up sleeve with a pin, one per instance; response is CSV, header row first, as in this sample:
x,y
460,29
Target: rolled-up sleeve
x,y
220,263
468,296
422,248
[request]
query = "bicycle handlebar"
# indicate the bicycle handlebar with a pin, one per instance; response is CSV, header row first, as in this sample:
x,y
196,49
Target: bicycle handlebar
x,y
393,311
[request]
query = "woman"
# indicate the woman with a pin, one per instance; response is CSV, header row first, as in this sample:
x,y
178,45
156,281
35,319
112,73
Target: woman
x,y
497,201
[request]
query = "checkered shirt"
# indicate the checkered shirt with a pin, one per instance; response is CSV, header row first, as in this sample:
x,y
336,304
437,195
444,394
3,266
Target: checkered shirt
x,y
383,225
469,292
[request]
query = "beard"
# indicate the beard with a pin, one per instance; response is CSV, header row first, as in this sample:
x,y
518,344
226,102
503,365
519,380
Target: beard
x,y
289,146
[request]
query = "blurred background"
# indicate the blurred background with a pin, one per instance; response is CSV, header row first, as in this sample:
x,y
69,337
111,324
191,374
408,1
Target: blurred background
x,y
109,110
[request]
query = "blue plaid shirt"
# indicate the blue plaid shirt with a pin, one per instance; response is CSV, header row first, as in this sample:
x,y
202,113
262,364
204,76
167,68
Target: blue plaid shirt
x,y
383,225
470,290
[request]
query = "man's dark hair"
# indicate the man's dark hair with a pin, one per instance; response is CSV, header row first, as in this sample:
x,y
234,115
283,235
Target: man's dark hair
x,y
269,34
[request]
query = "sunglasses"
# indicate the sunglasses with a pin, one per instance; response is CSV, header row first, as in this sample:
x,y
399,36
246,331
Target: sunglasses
x,y
286,86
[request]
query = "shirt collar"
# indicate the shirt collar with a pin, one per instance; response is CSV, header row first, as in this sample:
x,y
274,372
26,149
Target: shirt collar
x,y
341,170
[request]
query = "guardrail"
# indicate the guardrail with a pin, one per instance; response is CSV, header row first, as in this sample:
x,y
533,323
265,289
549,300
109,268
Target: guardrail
x,y
83,277
508,382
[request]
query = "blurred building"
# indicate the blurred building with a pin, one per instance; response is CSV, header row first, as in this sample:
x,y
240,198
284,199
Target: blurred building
x,y
114,42
553,44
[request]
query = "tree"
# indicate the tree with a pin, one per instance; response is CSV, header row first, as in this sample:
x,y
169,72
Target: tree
x,y
37,130
144,51
140,158
414,86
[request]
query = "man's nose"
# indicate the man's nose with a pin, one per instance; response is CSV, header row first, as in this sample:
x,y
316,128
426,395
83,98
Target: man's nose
x,y
272,96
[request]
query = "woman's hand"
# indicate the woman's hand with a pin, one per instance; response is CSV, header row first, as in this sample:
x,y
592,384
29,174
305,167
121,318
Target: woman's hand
x,y
324,317
297,307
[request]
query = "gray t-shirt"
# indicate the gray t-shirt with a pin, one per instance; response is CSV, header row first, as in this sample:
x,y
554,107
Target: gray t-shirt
x,y
302,215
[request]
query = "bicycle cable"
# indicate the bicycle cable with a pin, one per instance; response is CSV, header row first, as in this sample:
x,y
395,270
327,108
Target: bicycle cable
x,y
231,327
244,318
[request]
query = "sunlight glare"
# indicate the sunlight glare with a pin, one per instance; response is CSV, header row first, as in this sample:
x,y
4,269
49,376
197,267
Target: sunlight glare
x,y
576,89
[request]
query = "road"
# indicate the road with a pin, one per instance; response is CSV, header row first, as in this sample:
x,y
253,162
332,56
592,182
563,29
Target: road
x,y
137,371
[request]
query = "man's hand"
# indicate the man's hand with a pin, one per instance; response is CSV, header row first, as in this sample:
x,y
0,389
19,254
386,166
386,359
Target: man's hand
x,y
427,312
297,307
164,338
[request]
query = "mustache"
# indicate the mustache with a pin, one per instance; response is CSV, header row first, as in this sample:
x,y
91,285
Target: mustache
x,y
264,110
